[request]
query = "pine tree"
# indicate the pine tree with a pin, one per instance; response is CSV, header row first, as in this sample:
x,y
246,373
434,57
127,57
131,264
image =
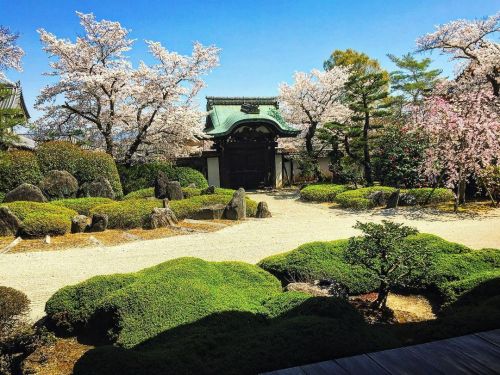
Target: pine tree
x,y
367,96
9,117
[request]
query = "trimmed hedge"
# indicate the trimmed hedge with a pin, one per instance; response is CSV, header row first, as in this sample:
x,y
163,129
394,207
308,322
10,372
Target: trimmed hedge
x,y
454,270
322,192
81,205
358,199
41,224
133,308
142,176
132,213
141,193
17,167
24,208
85,165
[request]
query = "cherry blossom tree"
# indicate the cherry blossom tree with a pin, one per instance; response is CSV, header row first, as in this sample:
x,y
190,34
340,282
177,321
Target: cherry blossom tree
x,y
467,41
313,100
464,131
10,53
130,112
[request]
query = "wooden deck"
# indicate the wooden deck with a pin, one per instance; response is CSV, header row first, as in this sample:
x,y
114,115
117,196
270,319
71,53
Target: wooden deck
x,y
472,354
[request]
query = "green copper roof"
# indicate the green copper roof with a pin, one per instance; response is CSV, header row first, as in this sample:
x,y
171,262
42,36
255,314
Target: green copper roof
x,y
225,114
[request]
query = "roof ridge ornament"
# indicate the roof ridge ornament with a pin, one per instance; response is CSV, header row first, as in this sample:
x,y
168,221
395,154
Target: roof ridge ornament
x,y
250,108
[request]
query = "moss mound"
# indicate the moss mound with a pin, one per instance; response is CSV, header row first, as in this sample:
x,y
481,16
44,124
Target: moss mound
x,y
42,224
133,308
24,208
322,192
81,205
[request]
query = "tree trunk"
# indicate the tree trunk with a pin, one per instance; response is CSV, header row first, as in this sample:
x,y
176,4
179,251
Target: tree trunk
x,y
366,152
383,293
461,192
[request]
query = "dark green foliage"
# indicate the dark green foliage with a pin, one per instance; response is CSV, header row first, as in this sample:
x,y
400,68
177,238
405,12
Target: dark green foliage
x,y
430,195
322,192
14,305
399,156
320,260
2,196
42,224
382,249
17,167
9,118
81,205
85,165
141,193
187,191
134,308
142,176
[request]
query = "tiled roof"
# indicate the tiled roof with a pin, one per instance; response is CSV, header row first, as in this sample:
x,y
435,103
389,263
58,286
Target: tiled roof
x,y
226,113
15,99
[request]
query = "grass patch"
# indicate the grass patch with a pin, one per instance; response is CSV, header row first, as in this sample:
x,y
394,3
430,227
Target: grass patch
x,y
322,192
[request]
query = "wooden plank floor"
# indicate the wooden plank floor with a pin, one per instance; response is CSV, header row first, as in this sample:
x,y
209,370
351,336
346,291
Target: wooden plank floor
x,y
478,353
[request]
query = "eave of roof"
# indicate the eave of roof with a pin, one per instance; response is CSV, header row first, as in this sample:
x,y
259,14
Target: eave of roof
x,y
15,99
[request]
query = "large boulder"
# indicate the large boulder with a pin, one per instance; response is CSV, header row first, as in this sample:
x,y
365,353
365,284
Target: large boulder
x,y
59,184
208,190
263,210
9,223
160,185
213,212
25,192
99,223
237,207
407,199
100,187
393,200
174,191
79,224
161,217
379,198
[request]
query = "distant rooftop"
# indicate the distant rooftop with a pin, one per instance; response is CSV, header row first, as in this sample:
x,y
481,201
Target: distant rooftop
x,y
15,99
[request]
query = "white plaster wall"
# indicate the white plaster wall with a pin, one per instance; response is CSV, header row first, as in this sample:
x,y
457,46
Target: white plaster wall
x,y
323,166
213,171
278,167
288,168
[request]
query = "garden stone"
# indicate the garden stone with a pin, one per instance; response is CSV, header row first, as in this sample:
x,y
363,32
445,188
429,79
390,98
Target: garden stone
x,y
79,224
213,212
192,185
174,191
392,201
101,187
59,184
236,208
99,223
161,217
166,203
160,185
321,288
407,199
263,210
208,191
379,198
25,192
9,223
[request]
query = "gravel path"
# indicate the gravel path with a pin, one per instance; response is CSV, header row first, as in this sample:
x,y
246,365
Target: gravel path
x,y
40,274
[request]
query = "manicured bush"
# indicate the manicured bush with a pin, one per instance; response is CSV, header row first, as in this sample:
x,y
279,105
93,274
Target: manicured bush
x,y
24,208
85,165
17,167
166,296
2,196
322,192
358,199
191,192
42,224
439,195
14,305
132,213
81,205
141,193
142,176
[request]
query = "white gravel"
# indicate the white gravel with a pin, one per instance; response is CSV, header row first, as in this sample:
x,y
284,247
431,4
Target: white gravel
x,y
40,274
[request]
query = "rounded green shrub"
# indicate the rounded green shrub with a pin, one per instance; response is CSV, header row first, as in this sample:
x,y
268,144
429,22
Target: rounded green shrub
x,y
189,192
322,192
85,165
142,176
137,307
40,224
127,214
141,193
18,167
81,205
358,199
24,208
14,305
439,195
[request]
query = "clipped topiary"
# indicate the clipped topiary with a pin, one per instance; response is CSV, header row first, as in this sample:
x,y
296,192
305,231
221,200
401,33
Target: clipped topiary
x,y
42,224
22,209
18,167
322,192
81,205
59,185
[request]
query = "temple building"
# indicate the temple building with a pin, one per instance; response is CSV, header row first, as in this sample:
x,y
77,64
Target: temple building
x,y
245,133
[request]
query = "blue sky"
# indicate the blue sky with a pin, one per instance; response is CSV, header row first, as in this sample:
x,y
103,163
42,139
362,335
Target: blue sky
x,y
263,42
